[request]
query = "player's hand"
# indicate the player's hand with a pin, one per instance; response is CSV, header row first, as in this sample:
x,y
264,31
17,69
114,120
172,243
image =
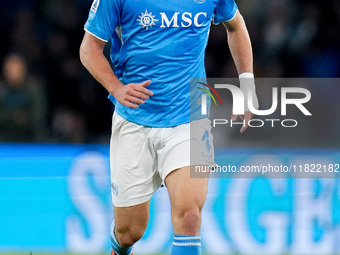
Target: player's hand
x,y
246,118
247,85
134,94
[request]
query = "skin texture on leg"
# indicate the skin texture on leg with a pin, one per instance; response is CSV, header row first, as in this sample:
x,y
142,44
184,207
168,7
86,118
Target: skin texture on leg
x,y
187,196
130,223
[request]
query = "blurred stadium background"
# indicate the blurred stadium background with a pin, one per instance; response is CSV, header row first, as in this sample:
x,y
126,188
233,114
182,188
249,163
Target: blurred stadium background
x,y
55,125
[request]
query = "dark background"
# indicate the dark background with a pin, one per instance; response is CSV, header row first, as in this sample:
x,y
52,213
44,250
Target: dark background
x,y
47,96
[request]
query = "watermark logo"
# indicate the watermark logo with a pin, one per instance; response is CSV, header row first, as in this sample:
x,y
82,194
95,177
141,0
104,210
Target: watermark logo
x,y
243,100
204,97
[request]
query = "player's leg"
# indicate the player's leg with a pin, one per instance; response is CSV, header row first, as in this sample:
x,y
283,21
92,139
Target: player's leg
x,y
187,144
128,226
187,196
134,179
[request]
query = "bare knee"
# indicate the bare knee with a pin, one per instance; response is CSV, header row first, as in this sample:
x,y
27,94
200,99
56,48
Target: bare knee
x,y
129,235
130,223
187,220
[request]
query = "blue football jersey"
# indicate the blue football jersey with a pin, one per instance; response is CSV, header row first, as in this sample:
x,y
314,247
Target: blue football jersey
x,y
161,41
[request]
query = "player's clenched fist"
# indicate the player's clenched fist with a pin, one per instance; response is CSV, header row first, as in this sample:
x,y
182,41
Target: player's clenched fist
x,y
133,94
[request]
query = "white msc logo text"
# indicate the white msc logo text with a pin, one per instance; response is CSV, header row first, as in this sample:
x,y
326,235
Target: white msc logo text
x,y
186,19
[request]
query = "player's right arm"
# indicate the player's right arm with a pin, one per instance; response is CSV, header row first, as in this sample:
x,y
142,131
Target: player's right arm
x,y
92,57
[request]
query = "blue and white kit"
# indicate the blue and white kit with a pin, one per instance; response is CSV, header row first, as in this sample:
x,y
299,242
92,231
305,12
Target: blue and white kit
x,y
161,41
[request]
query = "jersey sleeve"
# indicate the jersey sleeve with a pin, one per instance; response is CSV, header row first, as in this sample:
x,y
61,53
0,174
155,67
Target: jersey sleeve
x,y
225,11
104,17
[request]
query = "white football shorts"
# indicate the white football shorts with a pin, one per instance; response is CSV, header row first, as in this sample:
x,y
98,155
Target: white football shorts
x,y
141,157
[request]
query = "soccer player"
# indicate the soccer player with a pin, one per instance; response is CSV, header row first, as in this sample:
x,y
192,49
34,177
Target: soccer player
x,y
157,46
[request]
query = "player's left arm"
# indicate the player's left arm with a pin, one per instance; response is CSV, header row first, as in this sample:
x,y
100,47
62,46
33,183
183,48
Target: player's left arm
x,y
241,51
